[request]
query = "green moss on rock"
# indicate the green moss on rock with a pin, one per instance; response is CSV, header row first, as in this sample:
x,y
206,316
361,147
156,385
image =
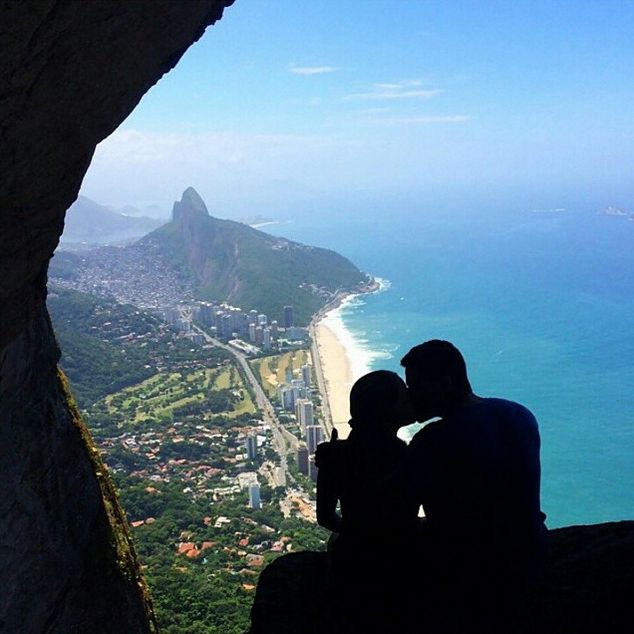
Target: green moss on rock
x,y
117,556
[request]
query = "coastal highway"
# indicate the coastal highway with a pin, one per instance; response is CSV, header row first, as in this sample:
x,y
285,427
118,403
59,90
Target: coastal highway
x,y
319,376
283,440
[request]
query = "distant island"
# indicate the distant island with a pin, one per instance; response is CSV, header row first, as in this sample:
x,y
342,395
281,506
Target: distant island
x,y
615,211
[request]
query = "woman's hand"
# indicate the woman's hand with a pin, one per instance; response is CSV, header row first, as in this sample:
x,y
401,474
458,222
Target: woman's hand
x,y
324,449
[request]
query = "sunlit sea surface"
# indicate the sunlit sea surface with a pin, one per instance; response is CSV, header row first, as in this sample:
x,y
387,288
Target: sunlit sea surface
x,y
542,305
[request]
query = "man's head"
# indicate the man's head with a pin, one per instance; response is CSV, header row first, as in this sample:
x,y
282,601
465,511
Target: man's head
x,y
436,375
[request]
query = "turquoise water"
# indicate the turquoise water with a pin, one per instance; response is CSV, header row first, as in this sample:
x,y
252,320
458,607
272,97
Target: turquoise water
x,y
542,306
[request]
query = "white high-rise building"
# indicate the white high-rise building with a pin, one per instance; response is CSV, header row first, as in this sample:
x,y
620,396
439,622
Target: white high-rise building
x,y
252,333
307,374
314,435
251,444
306,414
266,338
254,496
312,469
286,398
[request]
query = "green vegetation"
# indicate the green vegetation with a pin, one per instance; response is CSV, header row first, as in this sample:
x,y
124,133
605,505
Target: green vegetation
x,y
64,265
119,557
173,437
205,392
107,346
233,262
212,591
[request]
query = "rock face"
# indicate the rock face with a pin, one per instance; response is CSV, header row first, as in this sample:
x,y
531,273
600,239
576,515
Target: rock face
x,y
70,72
587,588
67,561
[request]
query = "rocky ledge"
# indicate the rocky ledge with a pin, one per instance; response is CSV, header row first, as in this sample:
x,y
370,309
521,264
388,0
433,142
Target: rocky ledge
x,y
588,586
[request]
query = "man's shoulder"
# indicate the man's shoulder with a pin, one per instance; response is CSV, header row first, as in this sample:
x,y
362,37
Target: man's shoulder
x,y
509,408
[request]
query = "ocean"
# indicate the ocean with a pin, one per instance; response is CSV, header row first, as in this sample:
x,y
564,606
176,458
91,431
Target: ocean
x,y
540,302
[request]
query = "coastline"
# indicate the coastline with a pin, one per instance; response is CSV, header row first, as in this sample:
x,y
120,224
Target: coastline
x,y
336,366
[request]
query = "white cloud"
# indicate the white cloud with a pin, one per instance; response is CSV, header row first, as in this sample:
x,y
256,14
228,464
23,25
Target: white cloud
x,y
412,83
398,90
418,119
311,70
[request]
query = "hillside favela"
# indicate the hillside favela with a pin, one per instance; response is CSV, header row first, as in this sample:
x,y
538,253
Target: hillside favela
x,y
209,398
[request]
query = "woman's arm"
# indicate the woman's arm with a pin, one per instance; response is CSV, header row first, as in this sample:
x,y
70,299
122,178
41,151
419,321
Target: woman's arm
x,y
327,498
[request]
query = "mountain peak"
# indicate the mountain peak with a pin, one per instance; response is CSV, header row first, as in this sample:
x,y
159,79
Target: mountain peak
x,y
190,205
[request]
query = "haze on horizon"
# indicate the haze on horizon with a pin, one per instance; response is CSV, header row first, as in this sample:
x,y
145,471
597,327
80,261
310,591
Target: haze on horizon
x,y
283,108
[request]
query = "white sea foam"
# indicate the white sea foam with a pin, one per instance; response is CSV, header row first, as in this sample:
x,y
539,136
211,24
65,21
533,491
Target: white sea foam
x,y
358,349
259,225
383,283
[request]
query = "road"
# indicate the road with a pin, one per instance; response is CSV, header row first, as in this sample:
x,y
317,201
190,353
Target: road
x,y
319,377
283,440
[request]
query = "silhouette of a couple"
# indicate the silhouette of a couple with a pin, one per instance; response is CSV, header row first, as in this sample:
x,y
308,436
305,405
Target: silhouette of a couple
x,y
476,473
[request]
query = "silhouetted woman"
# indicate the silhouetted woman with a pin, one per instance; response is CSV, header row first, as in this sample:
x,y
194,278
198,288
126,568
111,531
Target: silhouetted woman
x,y
375,533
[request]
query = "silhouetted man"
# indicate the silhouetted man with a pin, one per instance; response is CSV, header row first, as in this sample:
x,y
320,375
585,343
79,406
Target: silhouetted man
x,y
476,471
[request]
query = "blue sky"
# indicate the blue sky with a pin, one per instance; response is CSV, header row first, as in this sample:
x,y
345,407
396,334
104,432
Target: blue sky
x,y
284,106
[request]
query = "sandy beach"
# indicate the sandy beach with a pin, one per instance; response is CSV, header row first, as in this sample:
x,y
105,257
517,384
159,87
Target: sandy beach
x,y
337,374
336,369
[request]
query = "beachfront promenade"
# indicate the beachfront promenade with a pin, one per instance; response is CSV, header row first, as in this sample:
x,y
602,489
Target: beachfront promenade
x,y
333,369
319,378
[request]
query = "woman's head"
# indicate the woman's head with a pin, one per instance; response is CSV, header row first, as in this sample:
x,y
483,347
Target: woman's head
x,y
379,400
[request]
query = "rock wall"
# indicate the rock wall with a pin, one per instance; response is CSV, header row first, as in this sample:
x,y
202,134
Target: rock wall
x,y
587,588
66,557
70,72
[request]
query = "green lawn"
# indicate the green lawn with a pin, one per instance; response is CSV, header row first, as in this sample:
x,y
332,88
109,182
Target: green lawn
x,y
162,394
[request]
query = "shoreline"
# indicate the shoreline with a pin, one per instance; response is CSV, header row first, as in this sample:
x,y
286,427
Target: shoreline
x,y
334,368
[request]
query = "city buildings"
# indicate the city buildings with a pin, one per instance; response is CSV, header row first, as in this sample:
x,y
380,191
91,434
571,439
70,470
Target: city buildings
x,y
285,394
307,374
301,457
312,469
254,496
251,445
289,318
304,413
296,333
314,435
